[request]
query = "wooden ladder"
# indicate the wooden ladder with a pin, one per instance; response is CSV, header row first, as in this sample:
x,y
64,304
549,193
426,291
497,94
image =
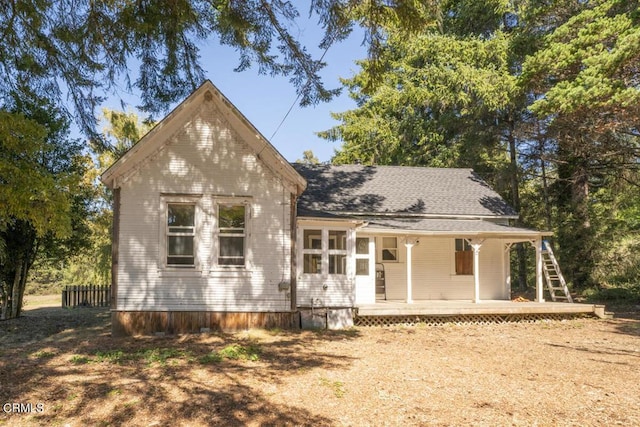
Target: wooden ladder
x,y
553,276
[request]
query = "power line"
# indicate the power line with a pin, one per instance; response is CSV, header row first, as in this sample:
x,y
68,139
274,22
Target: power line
x,y
301,91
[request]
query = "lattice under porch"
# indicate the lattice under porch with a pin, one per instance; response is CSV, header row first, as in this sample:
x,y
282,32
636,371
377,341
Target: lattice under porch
x,y
441,312
463,319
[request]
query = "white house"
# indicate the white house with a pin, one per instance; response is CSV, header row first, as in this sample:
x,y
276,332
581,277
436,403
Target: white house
x,y
213,228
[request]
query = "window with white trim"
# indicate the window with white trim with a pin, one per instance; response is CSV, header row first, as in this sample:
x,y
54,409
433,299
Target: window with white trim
x,y
180,234
362,256
232,219
337,252
389,249
324,251
312,251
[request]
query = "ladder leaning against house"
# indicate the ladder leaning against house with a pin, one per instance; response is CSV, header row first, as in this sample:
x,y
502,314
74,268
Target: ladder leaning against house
x,y
553,276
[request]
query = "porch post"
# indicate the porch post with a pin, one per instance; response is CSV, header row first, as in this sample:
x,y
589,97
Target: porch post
x,y
539,284
506,268
409,243
476,245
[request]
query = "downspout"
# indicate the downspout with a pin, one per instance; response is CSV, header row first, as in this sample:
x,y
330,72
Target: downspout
x,y
294,256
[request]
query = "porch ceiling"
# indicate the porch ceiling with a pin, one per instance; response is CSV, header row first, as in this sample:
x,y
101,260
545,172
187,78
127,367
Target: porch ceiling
x,y
451,227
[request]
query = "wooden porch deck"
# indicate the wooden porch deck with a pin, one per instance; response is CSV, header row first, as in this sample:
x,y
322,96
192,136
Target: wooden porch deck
x,y
444,308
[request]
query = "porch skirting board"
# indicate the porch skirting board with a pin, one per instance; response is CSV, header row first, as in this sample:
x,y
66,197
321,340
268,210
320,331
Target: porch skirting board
x,y
124,323
461,319
389,313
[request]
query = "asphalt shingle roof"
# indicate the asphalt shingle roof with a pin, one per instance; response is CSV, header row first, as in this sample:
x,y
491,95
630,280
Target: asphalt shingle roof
x,y
459,226
349,189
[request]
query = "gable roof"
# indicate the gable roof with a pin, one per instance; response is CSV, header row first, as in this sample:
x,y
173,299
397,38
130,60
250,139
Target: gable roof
x,y
349,190
159,135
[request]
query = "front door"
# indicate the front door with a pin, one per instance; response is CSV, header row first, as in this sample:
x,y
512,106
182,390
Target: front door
x,y
365,270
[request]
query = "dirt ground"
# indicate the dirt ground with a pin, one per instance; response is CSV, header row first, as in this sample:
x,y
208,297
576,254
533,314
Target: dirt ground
x,y
61,367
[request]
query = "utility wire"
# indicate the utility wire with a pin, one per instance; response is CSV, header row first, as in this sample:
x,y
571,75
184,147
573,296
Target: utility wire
x,y
301,91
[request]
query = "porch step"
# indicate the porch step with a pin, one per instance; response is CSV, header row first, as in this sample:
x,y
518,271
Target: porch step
x,y
553,276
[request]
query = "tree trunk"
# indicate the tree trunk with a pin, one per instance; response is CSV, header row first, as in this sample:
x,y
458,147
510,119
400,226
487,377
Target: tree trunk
x,y
515,201
14,295
4,297
575,234
545,186
583,231
26,266
15,291
20,239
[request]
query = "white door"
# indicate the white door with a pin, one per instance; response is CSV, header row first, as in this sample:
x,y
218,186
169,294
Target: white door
x,y
365,270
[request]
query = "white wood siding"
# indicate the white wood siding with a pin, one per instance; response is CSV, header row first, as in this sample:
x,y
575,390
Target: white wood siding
x,y
207,159
433,273
327,290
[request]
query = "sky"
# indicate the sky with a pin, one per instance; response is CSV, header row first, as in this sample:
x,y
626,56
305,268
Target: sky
x,y
265,100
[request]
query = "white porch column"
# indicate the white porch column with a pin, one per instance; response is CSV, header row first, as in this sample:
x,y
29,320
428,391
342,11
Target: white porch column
x,y
409,244
476,245
506,268
539,284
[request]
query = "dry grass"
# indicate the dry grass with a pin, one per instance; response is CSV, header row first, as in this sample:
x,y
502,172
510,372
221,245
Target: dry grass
x,y
579,372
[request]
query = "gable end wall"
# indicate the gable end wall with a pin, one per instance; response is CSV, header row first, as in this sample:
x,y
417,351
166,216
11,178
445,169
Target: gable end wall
x,y
208,160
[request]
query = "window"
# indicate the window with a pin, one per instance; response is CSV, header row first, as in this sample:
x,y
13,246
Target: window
x,y
337,252
312,251
181,231
463,257
231,234
362,256
324,251
389,249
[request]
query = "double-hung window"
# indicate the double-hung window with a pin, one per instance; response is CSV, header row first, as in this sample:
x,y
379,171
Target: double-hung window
x,y
232,234
181,232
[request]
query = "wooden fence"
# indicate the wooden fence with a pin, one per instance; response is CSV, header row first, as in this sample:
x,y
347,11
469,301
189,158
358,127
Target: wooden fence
x,y
86,296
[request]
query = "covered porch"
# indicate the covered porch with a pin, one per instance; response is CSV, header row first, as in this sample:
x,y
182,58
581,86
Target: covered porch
x,y
445,260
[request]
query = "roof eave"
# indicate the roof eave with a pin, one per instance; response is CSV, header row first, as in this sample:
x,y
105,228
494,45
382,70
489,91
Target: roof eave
x,y
515,235
416,215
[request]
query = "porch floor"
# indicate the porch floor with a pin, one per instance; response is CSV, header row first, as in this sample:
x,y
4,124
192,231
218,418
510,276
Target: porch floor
x,y
467,307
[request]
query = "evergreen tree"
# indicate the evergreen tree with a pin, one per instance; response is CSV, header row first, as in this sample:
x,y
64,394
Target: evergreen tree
x,y
584,82
553,84
82,49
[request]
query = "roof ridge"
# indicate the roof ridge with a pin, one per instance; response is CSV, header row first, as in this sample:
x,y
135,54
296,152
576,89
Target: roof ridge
x,y
380,166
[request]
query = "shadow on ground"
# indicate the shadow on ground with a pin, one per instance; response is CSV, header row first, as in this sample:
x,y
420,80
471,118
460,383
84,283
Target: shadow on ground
x,y
56,356
49,323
